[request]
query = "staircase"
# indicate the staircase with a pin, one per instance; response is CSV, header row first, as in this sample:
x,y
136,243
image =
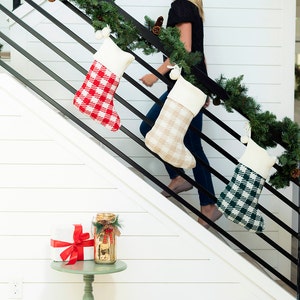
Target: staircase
x,y
56,85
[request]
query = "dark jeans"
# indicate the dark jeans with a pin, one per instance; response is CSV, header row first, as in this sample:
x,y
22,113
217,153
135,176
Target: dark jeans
x,y
193,142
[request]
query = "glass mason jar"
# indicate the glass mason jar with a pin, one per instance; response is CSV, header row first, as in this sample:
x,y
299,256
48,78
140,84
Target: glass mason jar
x,y
105,238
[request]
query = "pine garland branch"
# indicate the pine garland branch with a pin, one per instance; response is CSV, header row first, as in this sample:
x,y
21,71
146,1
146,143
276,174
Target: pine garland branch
x,y
104,13
266,130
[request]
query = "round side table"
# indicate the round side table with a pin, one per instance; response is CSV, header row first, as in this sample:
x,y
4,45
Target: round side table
x,y
88,268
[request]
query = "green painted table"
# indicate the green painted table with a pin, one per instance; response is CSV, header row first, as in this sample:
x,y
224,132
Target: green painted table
x,y
88,268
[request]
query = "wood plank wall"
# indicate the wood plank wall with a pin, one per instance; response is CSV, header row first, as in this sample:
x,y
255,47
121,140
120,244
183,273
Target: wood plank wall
x,y
252,38
52,175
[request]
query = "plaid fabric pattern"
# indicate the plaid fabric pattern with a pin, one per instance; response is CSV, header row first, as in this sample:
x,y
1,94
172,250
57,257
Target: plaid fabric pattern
x,y
239,199
95,97
166,136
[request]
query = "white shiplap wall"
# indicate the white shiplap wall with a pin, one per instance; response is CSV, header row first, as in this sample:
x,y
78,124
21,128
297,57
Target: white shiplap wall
x,y
51,174
253,38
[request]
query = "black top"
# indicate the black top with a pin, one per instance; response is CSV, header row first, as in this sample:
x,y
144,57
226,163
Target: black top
x,y
184,11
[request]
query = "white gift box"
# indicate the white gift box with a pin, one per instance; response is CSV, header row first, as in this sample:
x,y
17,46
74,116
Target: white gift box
x,y
71,243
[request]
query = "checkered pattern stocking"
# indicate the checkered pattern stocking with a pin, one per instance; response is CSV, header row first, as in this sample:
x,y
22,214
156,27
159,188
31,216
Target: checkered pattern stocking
x,y
166,136
96,95
238,201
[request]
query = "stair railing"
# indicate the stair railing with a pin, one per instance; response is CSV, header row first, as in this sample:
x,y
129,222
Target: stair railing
x,y
147,35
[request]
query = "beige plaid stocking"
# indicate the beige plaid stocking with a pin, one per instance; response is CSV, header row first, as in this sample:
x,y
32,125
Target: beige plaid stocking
x,y
166,136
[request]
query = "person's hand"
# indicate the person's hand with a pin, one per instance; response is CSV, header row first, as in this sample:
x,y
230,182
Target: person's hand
x,y
149,79
207,102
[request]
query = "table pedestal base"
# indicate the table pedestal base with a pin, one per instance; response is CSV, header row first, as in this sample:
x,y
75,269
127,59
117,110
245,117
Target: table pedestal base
x,y
88,288
88,269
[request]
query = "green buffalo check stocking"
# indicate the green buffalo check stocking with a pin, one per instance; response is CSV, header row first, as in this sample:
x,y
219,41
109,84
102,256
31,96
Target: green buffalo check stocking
x,y
238,201
166,136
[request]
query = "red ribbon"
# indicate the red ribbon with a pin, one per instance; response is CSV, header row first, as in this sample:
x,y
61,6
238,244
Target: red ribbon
x,y
75,249
108,234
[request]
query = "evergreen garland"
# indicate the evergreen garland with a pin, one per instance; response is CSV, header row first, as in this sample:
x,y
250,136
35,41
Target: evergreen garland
x,y
127,36
266,130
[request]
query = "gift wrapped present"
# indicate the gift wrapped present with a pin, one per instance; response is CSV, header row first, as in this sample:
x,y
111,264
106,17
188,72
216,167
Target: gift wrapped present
x,y
72,243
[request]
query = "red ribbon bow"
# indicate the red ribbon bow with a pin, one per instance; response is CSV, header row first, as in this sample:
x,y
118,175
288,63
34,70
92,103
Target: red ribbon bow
x,y
75,250
108,234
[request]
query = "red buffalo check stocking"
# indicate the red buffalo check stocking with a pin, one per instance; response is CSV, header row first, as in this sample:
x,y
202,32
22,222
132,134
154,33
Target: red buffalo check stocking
x,y
96,95
166,136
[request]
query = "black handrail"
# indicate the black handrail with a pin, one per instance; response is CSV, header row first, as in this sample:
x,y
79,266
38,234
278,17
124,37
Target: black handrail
x,y
37,62
210,84
154,40
43,40
136,139
16,4
144,172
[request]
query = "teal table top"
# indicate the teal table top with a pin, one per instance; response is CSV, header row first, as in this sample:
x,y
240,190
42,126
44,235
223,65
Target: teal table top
x,y
89,267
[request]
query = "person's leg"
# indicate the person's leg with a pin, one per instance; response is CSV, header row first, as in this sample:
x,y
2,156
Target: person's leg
x,y
177,184
201,173
152,115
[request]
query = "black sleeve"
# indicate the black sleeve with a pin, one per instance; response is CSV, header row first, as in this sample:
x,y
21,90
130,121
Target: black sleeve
x,y
181,11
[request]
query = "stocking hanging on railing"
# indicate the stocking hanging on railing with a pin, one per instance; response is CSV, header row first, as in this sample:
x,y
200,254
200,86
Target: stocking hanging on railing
x,y
238,202
166,136
96,95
